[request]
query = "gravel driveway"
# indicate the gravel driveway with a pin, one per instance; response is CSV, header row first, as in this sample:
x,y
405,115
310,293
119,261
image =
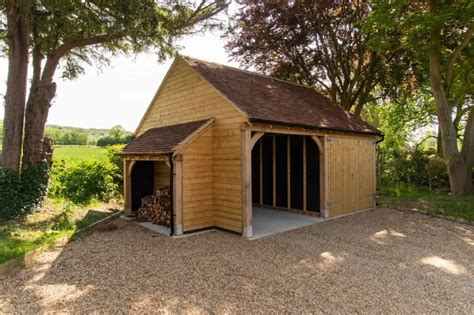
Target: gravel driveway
x,y
380,261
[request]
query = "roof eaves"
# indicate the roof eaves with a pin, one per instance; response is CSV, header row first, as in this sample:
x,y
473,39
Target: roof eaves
x,y
275,122
144,153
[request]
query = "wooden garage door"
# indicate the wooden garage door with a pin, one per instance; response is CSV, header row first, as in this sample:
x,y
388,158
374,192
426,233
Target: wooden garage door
x,y
351,174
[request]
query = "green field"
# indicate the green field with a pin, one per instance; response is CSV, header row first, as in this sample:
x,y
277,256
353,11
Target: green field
x,y
78,152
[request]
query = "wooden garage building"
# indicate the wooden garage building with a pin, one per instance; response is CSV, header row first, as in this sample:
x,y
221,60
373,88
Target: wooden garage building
x,y
233,139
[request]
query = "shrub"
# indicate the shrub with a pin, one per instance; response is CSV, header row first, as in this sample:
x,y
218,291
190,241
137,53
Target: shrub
x,y
86,180
20,195
411,166
437,174
117,161
9,193
34,186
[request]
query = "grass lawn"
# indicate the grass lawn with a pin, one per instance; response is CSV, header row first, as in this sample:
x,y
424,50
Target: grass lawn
x,y
430,202
55,220
78,152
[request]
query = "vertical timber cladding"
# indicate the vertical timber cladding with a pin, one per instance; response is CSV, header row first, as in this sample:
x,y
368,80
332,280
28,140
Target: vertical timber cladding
x,y
184,97
197,183
351,168
162,174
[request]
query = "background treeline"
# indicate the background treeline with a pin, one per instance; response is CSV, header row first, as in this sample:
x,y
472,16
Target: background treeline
x,y
63,135
92,136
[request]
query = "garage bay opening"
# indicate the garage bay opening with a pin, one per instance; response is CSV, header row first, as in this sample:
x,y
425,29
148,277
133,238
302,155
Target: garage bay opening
x,y
286,174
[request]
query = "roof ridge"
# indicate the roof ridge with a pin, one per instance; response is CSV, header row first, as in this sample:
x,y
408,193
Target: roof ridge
x,y
251,72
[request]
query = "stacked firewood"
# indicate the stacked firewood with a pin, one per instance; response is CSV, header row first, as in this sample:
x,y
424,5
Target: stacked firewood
x,y
156,208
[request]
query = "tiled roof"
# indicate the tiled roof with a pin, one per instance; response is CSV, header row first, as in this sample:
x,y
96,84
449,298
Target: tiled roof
x,y
162,140
275,101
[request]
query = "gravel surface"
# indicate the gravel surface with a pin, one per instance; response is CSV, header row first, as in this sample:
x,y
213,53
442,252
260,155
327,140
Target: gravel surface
x,y
379,261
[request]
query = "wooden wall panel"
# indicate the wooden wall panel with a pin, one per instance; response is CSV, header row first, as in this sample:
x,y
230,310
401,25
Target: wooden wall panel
x,y
185,97
162,175
197,183
351,167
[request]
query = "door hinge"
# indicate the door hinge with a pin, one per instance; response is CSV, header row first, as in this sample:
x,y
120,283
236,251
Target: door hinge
x,y
333,202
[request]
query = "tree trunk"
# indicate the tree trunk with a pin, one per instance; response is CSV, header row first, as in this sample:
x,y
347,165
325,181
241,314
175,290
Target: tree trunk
x,y
439,143
456,165
37,108
468,149
18,35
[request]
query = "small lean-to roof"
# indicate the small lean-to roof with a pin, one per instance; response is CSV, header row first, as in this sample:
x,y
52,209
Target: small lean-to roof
x,y
165,140
270,100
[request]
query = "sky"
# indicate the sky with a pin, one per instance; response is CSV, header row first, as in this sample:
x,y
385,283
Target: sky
x,y
119,94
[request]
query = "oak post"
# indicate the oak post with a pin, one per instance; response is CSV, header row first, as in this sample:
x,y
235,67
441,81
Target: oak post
x,y
246,157
178,195
305,199
127,187
288,170
274,168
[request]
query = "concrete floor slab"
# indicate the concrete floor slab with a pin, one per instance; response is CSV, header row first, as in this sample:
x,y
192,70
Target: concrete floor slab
x,y
156,228
268,222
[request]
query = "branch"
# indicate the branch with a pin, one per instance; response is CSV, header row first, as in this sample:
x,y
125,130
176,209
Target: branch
x,y
456,53
195,17
58,53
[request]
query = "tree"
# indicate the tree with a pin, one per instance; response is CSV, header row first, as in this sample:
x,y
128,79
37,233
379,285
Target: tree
x,y
116,135
74,137
117,132
316,43
71,33
16,37
438,37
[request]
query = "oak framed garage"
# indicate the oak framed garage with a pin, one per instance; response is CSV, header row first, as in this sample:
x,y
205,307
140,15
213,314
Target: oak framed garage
x,y
234,140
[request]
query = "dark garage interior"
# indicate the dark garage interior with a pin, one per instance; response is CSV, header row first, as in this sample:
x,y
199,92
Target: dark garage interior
x,y
283,168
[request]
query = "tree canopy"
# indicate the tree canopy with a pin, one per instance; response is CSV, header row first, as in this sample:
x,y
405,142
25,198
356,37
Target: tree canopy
x,y
316,43
69,34
437,36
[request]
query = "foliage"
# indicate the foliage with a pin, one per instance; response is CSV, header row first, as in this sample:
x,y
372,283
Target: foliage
x,y
22,194
411,166
406,156
57,133
437,37
69,34
34,186
317,43
113,157
73,137
116,135
9,191
117,161
85,180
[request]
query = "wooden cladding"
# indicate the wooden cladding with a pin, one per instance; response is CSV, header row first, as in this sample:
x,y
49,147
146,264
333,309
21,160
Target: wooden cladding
x,y
211,164
351,167
219,175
